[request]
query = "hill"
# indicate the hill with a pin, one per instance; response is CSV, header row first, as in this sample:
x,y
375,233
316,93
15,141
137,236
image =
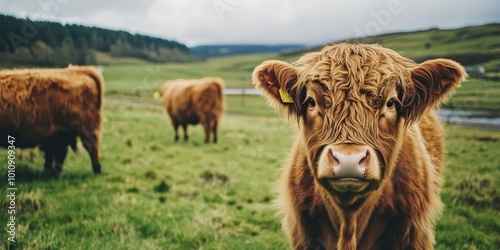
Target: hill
x,y
473,45
206,51
23,41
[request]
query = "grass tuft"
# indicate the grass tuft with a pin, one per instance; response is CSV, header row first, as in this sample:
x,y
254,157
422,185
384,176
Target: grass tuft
x,y
133,190
163,187
151,174
477,192
214,179
30,202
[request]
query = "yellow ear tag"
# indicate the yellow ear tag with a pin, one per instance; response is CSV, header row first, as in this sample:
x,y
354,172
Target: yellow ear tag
x,y
285,97
157,95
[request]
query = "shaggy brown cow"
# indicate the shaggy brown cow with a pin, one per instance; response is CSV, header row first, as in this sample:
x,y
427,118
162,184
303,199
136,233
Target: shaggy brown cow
x,y
51,108
365,169
194,101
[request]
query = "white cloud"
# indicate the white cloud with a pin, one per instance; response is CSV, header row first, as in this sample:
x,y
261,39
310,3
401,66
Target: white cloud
x,y
259,21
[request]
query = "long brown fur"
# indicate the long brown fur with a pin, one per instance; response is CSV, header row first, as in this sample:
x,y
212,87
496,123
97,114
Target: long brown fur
x,y
351,84
194,101
51,108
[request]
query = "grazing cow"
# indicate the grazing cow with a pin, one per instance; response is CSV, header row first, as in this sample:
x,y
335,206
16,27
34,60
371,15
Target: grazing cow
x,y
194,101
51,108
365,169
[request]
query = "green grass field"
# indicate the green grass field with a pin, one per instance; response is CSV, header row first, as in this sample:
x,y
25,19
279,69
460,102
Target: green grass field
x,y
476,94
473,45
157,194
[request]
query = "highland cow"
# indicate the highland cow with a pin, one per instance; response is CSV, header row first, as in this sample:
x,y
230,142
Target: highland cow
x,y
365,169
194,101
50,108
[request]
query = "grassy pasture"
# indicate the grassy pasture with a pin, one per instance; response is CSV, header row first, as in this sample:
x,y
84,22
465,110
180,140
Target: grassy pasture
x,y
476,94
136,78
138,82
157,194
473,45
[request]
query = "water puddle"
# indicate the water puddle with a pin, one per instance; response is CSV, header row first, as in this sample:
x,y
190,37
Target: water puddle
x,y
484,119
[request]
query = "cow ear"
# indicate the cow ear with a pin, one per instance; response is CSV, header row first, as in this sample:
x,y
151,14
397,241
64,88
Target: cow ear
x,y
431,83
276,79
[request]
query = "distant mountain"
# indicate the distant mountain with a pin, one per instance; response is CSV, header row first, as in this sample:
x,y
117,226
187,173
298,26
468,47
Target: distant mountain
x,y
471,46
23,41
206,51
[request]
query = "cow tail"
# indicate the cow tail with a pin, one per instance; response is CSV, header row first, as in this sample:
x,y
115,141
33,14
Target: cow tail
x,y
99,82
220,92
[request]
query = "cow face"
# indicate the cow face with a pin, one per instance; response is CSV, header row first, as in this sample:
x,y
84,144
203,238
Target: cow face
x,y
353,104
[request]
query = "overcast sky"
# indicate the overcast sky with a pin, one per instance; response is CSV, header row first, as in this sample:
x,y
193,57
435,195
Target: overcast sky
x,y
310,22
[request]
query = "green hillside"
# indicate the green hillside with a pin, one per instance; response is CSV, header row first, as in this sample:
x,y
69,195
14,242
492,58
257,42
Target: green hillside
x,y
27,42
474,45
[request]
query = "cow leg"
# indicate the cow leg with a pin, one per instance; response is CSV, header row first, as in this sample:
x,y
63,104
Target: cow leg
x,y
49,158
214,130
48,149
60,153
56,149
206,127
90,142
176,130
184,127
54,157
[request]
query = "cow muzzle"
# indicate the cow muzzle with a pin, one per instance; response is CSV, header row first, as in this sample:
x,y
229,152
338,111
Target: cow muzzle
x,y
348,167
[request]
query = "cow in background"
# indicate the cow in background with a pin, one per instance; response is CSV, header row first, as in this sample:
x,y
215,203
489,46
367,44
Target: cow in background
x,y
365,169
51,108
194,101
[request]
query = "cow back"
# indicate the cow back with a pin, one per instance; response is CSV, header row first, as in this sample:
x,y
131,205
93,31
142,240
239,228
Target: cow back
x,y
37,103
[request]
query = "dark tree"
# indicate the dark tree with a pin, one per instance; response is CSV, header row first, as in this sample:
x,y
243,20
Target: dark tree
x,y
50,43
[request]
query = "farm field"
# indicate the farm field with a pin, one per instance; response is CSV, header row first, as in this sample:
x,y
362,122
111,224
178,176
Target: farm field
x,y
157,194
138,82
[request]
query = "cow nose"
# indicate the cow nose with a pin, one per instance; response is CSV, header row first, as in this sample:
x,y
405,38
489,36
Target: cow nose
x,y
349,165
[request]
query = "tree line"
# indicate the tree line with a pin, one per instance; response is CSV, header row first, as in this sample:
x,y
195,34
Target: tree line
x,y
24,41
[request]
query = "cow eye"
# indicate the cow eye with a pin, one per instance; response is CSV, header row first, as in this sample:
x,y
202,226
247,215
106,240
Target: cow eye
x,y
390,103
311,102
